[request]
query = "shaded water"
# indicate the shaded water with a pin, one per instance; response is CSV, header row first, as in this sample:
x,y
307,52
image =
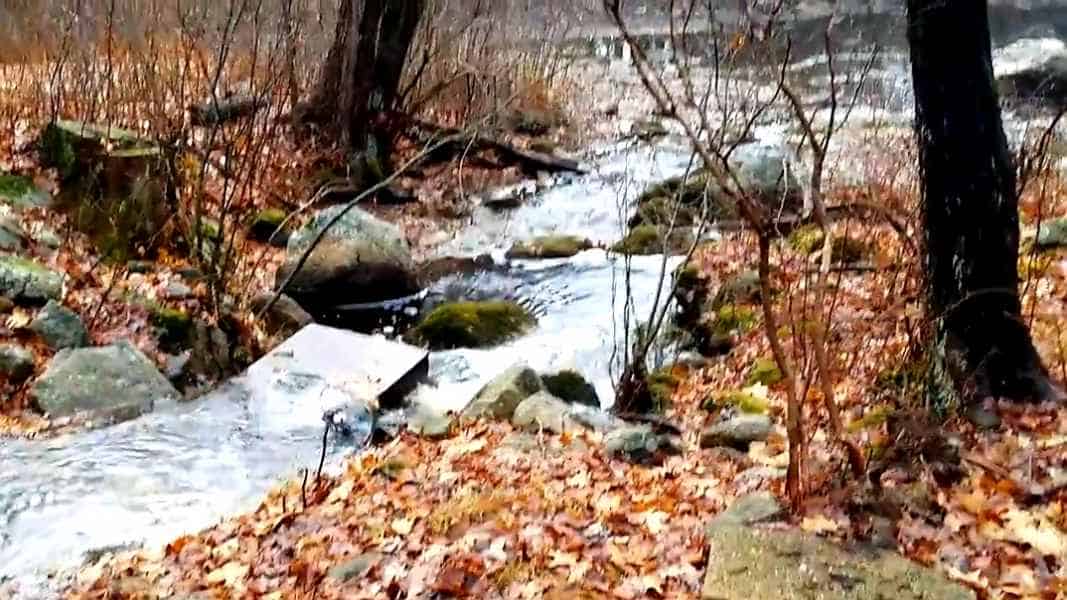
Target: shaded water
x,y
184,467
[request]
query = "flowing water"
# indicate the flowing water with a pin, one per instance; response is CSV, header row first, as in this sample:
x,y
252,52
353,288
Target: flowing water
x,y
185,466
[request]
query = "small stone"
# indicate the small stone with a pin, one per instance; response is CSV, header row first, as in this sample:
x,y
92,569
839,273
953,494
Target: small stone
x,y
60,327
737,432
354,568
16,363
639,444
177,291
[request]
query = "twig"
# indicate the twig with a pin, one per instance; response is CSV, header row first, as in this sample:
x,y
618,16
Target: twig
x,y
322,457
303,490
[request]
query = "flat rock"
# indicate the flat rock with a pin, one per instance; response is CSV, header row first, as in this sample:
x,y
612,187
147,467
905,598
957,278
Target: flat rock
x,y
746,562
26,281
116,382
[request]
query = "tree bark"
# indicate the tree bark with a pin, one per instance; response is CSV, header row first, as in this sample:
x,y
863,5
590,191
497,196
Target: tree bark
x,y
969,209
361,76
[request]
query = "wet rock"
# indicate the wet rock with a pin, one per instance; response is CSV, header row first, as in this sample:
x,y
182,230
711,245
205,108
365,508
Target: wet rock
x,y
285,316
759,507
16,363
354,568
746,561
736,432
543,412
28,282
501,396
645,240
360,259
60,327
267,227
115,382
472,325
430,423
439,268
571,387
549,246
20,192
640,444
1052,234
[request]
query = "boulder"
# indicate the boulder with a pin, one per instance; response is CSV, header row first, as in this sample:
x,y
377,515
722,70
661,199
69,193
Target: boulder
x,y
549,246
16,363
472,325
736,432
21,192
60,327
115,382
359,259
267,227
501,396
28,282
285,316
640,444
11,235
644,240
543,412
746,561
571,387
1052,234
1033,71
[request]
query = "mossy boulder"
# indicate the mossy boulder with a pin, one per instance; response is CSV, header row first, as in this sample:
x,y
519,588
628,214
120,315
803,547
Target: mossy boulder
x,y
472,325
266,227
744,400
764,371
737,432
731,319
60,327
645,240
1052,234
20,192
500,397
549,246
28,282
571,387
807,240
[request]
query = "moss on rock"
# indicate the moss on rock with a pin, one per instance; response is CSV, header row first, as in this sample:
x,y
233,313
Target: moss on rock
x,y
550,246
571,387
731,319
662,384
174,324
472,325
807,239
645,240
764,371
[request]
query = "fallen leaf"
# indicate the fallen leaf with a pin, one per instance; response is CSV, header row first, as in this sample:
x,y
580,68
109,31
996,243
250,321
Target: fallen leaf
x,y
229,574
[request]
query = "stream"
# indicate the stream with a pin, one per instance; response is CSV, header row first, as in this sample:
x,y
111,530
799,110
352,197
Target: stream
x,y
185,466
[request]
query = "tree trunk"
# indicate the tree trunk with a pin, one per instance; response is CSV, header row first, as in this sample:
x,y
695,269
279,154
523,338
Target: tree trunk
x,y
361,76
970,209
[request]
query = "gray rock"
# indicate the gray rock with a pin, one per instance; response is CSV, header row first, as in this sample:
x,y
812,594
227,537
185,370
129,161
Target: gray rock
x,y
60,327
639,444
177,291
140,266
360,259
430,423
736,432
16,363
285,315
26,281
543,412
354,568
743,288
746,562
760,507
1052,234
501,396
11,235
116,382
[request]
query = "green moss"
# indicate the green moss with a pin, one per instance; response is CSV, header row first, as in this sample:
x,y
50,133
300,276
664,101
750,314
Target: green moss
x,y
731,319
873,418
472,325
571,387
765,371
56,150
645,240
271,216
846,250
662,384
173,324
663,210
14,186
807,239
745,401
550,246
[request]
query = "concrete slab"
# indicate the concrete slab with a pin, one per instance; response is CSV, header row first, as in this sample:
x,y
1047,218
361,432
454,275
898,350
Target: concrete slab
x,y
321,368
